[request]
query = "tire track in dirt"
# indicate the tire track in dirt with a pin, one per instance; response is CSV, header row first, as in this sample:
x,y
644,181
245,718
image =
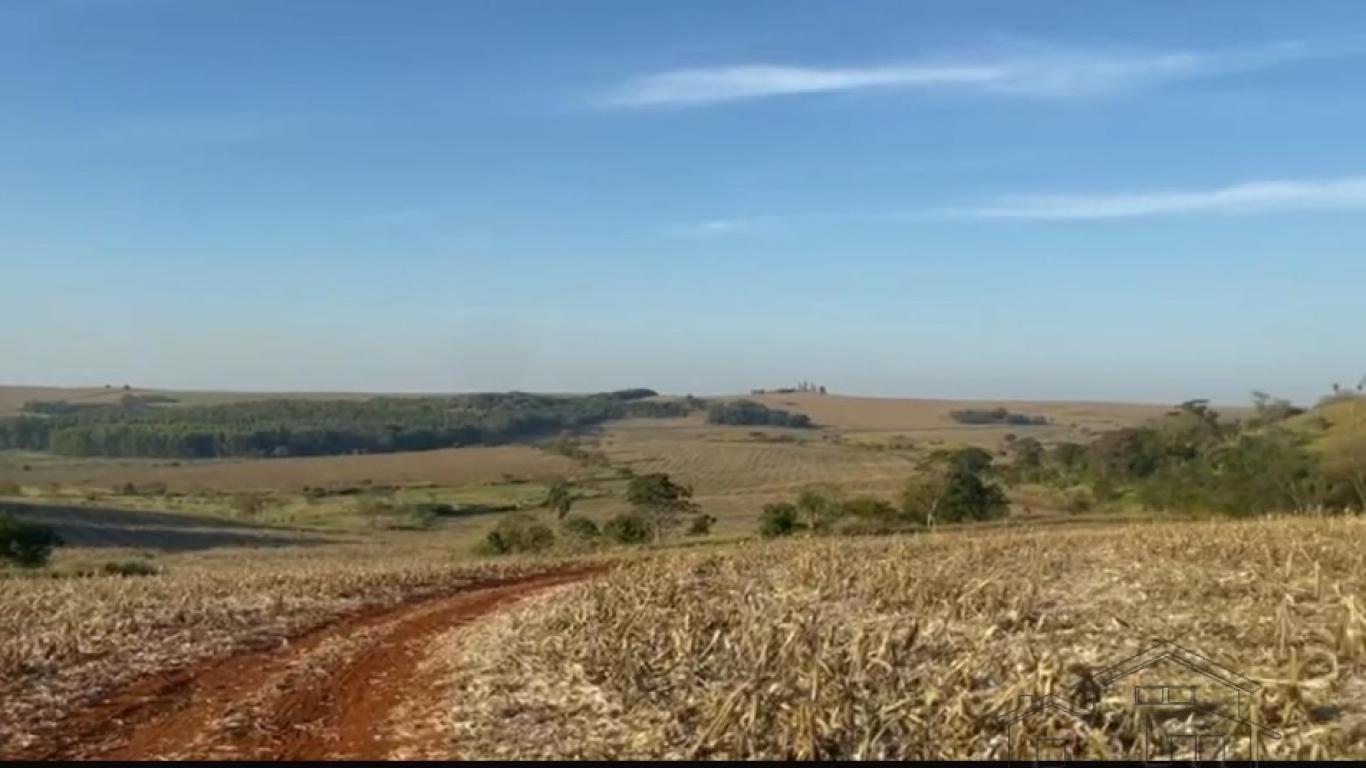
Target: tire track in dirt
x,y
327,694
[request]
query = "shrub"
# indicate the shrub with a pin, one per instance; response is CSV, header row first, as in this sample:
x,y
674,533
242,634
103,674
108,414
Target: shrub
x,y
995,416
869,509
27,545
778,519
1078,500
518,533
11,489
818,506
701,525
578,527
628,528
560,497
248,504
130,568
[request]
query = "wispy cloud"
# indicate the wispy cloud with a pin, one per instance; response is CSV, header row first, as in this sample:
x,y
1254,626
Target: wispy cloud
x,y
1046,73
726,226
1249,197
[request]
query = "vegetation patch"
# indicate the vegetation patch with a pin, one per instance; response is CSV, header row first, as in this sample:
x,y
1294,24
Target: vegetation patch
x,y
908,647
750,413
995,416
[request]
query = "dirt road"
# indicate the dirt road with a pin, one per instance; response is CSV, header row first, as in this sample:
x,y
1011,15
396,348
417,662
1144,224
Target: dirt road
x,y
327,694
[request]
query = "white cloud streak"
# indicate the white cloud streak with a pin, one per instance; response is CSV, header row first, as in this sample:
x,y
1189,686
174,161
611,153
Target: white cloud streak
x,y
1347,193
1047,74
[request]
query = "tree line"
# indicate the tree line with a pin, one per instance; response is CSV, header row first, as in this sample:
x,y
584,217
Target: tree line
x,y
750,413
299,427
1193,460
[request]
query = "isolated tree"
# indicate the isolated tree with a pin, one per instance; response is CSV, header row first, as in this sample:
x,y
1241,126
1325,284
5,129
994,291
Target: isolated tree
x,y
1270,410
950,487
660,501
560,497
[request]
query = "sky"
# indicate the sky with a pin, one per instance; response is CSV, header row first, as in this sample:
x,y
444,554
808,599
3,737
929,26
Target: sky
x,y
1153,202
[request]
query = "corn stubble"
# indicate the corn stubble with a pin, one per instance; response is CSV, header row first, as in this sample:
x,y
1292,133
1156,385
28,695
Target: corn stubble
x,y
908,648
67,641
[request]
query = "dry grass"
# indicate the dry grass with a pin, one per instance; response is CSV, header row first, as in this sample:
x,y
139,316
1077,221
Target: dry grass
x,y
449,467
67,640
910,647
926,420
733,475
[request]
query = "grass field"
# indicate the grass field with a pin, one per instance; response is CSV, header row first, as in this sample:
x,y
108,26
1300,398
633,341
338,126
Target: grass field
x,y
908,647
450,466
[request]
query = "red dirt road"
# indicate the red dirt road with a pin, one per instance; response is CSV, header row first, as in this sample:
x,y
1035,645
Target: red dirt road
x,y
328,694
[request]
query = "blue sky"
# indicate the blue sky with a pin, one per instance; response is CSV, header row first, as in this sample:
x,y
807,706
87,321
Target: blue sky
x,y
977,199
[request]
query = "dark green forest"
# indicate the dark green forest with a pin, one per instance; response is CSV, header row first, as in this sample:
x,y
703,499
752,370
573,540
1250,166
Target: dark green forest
x,y
300,427
995,416
750,413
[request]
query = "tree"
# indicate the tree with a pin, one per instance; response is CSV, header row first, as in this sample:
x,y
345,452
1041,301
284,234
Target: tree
x,y
1346,462
1028,458
559,497
922,497
660,501
818,506
27,545
949,487
1270,409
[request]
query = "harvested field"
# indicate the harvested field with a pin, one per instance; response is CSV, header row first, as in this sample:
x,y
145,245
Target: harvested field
x,y
928,420
450,467
912,647
733,476
68,643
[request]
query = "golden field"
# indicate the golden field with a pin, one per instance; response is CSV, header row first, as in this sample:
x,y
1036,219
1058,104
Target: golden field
x,y
909,647
449,466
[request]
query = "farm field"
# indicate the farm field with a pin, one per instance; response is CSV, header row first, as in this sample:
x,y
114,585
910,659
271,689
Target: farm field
x,y
225,607
450,466
909,647
930,420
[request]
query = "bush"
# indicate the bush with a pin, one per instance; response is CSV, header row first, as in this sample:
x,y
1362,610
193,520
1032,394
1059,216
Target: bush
x,y
628,528
701,525
819,506
518,533
580,528
995,416
248,504
27,545
778,519
869,509
130,568
1078,500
